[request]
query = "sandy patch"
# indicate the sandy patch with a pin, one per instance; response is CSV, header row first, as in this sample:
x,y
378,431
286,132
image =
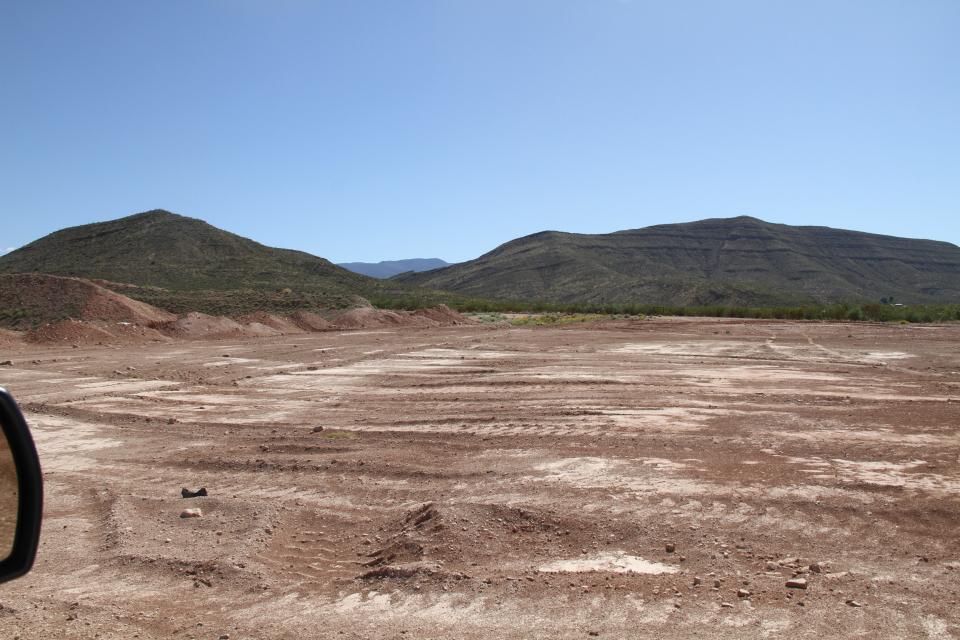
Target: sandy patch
x,y
617,562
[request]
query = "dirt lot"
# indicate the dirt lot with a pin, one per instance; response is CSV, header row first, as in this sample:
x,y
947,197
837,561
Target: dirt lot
x,y
661,478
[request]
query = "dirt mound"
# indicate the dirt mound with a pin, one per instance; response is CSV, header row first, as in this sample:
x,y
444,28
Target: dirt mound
x,y
371,318
196,325
10,337
130,332
70,331
449,535
280,325
443,315
93,333
29,300
310,321
367,318
255,329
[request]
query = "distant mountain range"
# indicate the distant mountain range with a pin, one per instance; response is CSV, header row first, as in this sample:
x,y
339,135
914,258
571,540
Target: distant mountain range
x,y
179,263
722,261
390,268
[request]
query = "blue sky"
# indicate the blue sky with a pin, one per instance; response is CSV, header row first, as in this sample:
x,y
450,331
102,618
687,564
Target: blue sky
x,y
383,129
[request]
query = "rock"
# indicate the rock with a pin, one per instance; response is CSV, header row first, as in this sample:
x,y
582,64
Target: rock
x,y
772,566
854,603
317,429
671,547
726,605
191,513
797,583
186,493
816,567
697,581
6,363
743,593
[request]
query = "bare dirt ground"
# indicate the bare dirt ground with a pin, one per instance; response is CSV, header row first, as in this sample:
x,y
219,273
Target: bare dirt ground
x,y
661,478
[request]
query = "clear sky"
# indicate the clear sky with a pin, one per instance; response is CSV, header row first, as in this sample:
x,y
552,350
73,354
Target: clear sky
x,y
383,129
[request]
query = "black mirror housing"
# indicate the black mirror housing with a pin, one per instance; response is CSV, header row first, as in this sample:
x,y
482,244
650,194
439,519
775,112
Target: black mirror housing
x,y
30,490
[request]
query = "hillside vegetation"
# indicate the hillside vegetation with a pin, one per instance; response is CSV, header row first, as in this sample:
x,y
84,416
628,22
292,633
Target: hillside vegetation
x,y
727,261
162,249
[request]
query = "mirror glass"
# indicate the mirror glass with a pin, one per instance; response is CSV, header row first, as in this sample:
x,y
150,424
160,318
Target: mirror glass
x,y
8,498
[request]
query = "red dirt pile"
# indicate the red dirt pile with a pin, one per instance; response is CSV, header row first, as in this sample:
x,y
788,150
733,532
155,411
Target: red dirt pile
x,y
9,338
370,318
195,325
367,318
443,315
281,326
80,332
44,299
73,310
70,331
310,321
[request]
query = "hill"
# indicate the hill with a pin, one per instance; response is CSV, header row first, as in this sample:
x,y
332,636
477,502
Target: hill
x,y
161,249
728,261
183,264
390,268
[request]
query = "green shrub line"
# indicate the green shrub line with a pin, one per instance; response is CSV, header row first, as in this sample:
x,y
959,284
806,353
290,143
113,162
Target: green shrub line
x,y
871,312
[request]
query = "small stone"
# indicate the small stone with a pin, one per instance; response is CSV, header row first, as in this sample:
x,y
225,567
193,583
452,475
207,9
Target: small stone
x,y
726,605
6,363
854,603
671,547
797,583
743,593
191,513
772,566
697,581
816,567
317,429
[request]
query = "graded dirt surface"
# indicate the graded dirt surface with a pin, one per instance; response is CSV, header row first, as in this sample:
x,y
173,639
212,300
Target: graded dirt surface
x,y
662,478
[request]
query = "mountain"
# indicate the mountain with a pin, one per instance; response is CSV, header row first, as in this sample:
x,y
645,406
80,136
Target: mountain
x,y
390,268
182,264
162,249
729,261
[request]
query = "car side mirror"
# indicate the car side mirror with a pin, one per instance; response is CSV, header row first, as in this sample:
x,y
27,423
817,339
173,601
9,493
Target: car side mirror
x,y
21,492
